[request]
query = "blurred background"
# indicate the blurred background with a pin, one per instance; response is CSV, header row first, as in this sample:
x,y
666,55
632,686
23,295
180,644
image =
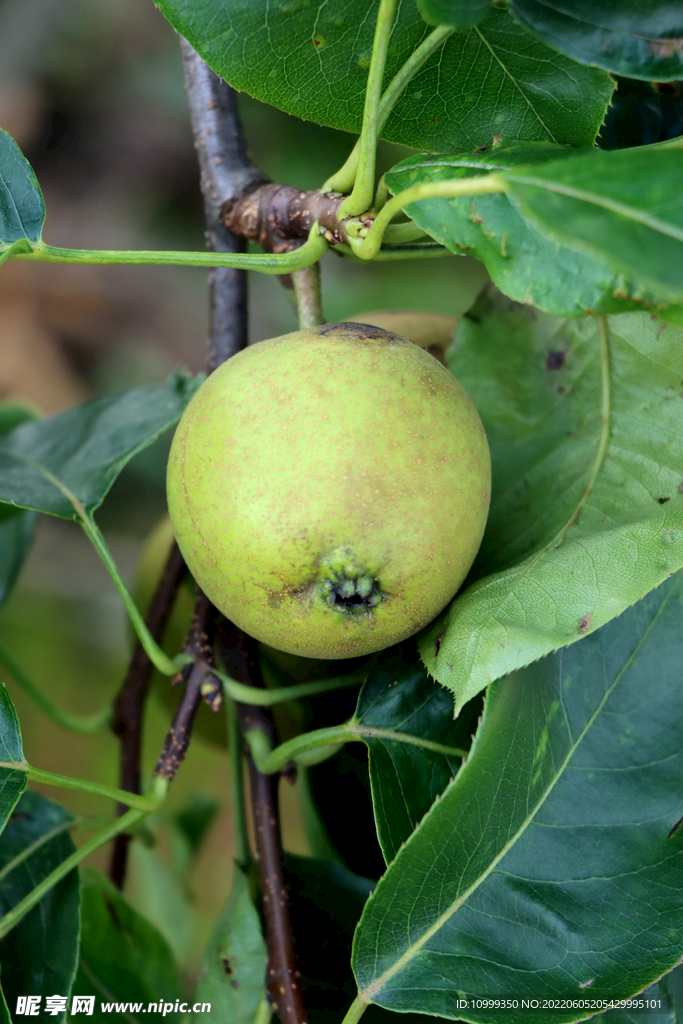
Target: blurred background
x,y
92,91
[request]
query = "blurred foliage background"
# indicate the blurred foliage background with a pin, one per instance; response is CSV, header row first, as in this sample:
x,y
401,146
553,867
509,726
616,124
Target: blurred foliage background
x,y
92,90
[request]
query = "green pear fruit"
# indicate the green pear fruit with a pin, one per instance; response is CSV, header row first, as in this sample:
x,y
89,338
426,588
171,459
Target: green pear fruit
x,y
431,331
329,489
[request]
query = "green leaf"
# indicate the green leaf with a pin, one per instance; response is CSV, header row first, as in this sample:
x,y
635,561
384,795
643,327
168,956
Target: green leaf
x,y
232,973
623,208
326,901
160,888
12,780
38,957
660,1011
22,210
16,527
311,59
523,262
549,865
68,462
123,957
636,38
4,1011
461,14
586,514
417,746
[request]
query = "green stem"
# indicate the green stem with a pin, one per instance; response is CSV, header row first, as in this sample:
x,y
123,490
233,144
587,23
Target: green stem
x,y
355,1010
86,724
264,1011
309,306
368,247
266,263
364,183
343,180
398,234
160,660
405,251
269,760
239,809
264,698
140,803
121,824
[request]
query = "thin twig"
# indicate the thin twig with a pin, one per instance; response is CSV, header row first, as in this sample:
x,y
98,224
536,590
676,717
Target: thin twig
x,y
239,653
227,175
199,684
128,709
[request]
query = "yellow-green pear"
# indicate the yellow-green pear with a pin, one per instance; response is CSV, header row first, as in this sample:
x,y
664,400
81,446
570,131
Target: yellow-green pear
x,y
329,489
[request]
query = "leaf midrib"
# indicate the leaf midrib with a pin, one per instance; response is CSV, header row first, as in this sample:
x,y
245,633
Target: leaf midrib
x,y
443,918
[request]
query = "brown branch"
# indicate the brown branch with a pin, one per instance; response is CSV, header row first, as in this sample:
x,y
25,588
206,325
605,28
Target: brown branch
x,y
278,217
227,174
130,701
239,654
199,684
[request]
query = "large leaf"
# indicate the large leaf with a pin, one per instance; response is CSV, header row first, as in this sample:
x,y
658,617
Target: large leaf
x,y
551,866
233,972
460,14
311,59
623,208
16,526
587,515
636,38
22,210
38,957
415,744
124,960
12,780
68,462
524,263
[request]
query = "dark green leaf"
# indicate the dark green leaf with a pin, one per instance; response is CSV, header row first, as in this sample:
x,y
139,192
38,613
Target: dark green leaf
x,y
311,59
16,527
461,14
4,1011
623,208
547,867
68,461
636,38
326,901
12,780
22,210
123,957
38,957
233,971
524,263
416,746
660,1011
576,533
